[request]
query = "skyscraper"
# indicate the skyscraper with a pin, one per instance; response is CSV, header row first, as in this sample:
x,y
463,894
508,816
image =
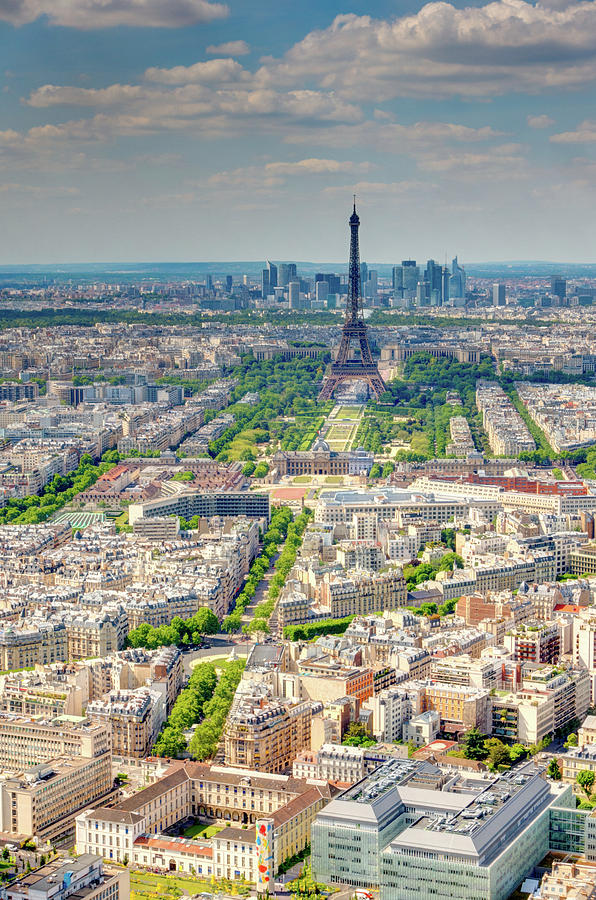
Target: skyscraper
x,y
294,294
558,286
363,275
499,295
321,290
457,282
334,281
272,269
433,274
370,286
265,283
445,280
287,273
405,278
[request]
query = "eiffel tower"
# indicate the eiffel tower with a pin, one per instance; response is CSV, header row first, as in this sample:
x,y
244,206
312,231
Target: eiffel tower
x,y
347,366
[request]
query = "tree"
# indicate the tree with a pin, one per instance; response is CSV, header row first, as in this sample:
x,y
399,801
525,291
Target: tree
x,y
170,743
585,779
204,621
258,626
357,736
517,752
571,741
474,747
554,770
498,753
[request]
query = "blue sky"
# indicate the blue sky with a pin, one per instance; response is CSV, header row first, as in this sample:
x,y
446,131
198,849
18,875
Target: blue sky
x,y
202,130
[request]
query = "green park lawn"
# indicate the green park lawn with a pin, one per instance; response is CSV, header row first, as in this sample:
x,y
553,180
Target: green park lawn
x,y
243,441
147,886
200,829
348,412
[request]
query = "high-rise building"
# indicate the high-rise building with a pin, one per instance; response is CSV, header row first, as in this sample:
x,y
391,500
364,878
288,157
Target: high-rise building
x,y
434,275
445,292
370,286
272,270
229,283
405,279
334,281
363,275
422,293
457,282
265,283
499,294
294,294
286,273
321,290
558,286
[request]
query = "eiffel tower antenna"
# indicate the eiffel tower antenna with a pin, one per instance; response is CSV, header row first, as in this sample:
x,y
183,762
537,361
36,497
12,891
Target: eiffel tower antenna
x,y
348,366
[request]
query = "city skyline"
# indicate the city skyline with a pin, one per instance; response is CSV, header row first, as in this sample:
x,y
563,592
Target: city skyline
x,y
220,133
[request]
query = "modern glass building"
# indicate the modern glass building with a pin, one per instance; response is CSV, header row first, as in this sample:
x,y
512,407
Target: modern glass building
x,y
419,832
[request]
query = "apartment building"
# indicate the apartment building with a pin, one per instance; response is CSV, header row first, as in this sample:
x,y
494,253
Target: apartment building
x,y
98,634
49,694
548,700
265,735
134,717
569,881
507,432
362,595
538,643
460,707
465,670
392,708
27,740
325,679
582,560
161,668
42,801
23,648
364,555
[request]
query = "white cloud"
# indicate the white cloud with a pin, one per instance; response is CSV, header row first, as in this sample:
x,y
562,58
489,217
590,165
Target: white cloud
x,y
381,189
506,161
316,167
542,121
503,46
213,71
86,14
395,137
230,48
274,174
585,133
55,95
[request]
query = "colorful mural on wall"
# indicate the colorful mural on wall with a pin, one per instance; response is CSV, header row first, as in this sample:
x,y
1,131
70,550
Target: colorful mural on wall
x,y
264,855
